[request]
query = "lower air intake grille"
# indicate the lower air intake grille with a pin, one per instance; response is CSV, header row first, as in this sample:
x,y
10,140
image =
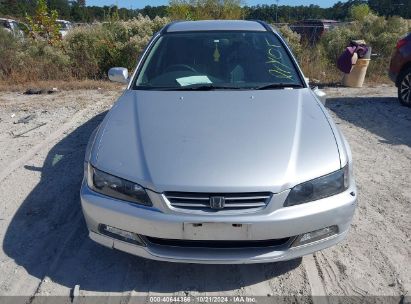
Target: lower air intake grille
x,y
216,244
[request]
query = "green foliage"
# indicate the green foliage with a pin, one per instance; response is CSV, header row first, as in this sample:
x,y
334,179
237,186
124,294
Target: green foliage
x,y
293,39
86,52
342,10
60,6
95,49
153,11
77,11
359,12
178,9
44,61
378,32
312,59
335,41
8,47
25,60
86,48
205,9
89,51
43,24
382,34
400,8
81,3
285,13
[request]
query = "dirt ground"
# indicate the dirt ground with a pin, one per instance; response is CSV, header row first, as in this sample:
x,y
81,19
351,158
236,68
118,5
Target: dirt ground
x,y
45,249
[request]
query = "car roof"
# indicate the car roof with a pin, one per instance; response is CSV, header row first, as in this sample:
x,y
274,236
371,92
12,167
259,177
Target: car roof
x,y
216,25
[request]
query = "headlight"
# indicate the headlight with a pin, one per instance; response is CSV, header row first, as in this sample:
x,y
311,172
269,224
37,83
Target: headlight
x,y
319,188
116,187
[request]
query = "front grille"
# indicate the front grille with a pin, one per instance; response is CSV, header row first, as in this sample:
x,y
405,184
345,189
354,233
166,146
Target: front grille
x,y
232,201
216,244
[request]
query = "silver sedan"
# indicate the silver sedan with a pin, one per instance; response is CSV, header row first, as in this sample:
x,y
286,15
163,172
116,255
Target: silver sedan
x,y
218,151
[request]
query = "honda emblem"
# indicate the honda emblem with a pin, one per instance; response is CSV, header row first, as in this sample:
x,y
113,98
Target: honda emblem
x,y
217,202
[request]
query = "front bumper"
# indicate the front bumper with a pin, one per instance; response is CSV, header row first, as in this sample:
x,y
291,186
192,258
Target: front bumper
x,y
273,223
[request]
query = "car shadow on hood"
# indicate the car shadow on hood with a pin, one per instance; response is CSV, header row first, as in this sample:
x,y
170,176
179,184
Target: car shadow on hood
x,y
48,237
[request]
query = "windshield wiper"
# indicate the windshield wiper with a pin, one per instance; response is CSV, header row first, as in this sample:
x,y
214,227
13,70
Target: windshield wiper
x,y
279,86
211,87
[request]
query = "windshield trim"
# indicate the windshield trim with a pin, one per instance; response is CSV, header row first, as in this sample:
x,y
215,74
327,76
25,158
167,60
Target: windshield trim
x,y
210,87
146,54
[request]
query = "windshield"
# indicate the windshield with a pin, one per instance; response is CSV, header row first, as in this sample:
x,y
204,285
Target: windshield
x,y
238,60
14,25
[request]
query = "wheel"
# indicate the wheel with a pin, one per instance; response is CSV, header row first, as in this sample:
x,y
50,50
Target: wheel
x,y
404,88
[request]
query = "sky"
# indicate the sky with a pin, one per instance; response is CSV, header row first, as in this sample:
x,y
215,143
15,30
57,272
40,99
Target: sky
x,y
142,3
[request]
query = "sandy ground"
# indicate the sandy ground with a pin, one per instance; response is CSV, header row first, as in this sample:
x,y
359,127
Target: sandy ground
x,y
45,249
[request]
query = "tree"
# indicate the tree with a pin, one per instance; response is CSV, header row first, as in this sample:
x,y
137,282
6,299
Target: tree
x,y
180,9
16,7
43,24
61,6
153,11
359,12
205,9
77,12
391,7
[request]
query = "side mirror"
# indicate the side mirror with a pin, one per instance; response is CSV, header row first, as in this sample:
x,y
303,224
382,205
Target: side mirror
x,y
118,75
321,95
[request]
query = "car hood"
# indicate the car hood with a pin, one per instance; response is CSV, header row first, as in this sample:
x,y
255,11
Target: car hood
x,y
216,141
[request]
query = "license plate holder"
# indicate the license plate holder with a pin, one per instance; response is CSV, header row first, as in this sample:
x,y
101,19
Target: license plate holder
x,y
216,231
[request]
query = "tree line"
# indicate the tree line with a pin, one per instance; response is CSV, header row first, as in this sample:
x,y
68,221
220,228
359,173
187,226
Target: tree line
x,y
78,11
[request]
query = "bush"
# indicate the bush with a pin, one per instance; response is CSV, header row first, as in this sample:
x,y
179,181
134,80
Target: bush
x,y
382,34
8,49
359,12
41,61
89,51
86,52
94,49
293,39
312,59
378,32
139,32
319,61
25,60
43,24
205,9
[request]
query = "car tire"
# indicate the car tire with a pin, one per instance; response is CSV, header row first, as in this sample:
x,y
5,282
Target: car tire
x,y
404,87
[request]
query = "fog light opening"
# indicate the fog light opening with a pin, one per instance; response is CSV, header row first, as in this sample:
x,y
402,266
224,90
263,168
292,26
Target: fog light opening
x,y
316,235
120,234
